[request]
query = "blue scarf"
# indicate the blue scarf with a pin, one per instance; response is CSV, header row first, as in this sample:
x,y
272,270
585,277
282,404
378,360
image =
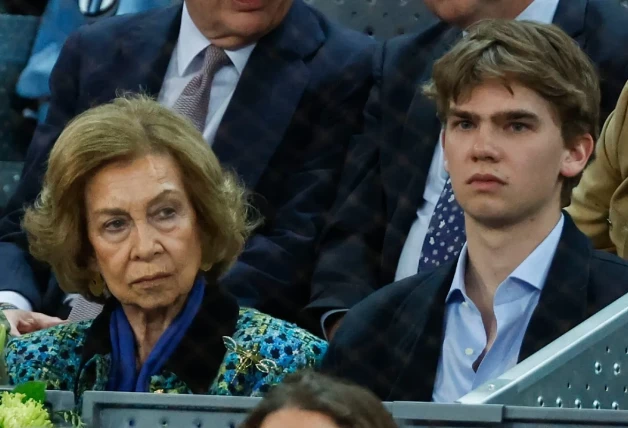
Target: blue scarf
x,y
123,375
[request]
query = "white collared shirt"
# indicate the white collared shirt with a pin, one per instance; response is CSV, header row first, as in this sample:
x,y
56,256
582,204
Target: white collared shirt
x,y
542,11
186,63
465,339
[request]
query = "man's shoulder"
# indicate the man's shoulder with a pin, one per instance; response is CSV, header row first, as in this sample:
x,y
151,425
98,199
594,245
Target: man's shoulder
x,y
128,25
609,264
608,277
605,26
603,15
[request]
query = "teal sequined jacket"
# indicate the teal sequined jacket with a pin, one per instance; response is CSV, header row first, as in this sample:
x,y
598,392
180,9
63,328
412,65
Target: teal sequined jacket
x,y
226,351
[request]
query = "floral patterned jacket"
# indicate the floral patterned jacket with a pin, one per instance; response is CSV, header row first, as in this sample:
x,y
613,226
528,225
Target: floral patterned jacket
x,y
259,351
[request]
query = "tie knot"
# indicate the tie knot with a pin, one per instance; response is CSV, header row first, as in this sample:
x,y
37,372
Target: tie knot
x,y
215,58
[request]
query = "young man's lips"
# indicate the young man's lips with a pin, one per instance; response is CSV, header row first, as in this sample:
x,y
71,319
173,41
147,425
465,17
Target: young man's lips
x,y
485,178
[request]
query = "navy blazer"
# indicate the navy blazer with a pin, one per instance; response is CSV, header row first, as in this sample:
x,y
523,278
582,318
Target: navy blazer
x,y
391,342
384,180
285,132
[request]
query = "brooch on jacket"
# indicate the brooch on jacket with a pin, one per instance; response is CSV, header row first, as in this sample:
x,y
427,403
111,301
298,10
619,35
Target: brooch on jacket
x,y
248,358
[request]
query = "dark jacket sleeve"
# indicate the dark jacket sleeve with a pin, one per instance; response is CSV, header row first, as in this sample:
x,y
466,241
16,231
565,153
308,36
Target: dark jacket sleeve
x,y
365,349
20,272
347,269
273,272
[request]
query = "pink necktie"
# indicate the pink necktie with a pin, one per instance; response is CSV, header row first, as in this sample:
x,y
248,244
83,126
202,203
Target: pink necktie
x,y
194,100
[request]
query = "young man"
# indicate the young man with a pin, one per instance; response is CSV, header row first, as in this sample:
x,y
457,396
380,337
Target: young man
x,y
519,103
394,176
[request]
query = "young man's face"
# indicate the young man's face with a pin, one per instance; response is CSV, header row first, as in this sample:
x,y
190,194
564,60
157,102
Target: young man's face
x,y
505,154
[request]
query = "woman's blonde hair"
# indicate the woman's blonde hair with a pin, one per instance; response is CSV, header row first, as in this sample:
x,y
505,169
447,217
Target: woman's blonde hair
x,y
128,128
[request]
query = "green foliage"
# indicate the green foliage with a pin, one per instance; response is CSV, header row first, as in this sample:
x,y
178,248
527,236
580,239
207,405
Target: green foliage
x,y
35,391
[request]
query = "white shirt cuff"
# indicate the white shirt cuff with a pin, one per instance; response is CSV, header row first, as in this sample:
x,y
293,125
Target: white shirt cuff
x,y
16,299
326,315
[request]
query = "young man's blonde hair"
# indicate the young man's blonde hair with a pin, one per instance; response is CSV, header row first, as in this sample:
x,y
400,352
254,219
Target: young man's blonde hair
x,y
539,56
127,129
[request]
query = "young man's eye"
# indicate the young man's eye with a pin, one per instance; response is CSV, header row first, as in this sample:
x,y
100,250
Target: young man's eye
x,y
463,124
519,127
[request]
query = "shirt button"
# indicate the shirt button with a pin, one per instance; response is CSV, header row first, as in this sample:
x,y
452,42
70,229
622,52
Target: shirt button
x,y
468,351
465,304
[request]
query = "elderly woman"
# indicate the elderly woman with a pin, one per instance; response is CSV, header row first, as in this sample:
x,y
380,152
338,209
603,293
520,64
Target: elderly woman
x,y
311,400
137,213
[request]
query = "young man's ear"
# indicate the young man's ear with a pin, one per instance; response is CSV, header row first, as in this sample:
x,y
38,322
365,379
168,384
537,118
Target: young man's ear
x,y
577,156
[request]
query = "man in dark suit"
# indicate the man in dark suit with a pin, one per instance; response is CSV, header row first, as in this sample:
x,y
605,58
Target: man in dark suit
x,y
519,102
287,91
394,176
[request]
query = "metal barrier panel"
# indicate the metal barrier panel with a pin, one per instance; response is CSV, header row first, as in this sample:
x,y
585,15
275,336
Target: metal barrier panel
x,y
489,415
121,410
585,368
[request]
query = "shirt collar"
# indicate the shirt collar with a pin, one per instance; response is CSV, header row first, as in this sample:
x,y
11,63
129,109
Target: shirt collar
x,y
533,270
191,42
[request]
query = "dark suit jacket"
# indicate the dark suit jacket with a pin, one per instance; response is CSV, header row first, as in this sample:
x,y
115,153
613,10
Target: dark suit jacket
x,y
391,342
285,132
386,172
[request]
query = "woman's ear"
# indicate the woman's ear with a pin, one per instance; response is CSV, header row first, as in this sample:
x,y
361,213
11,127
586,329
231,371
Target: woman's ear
x,y
92,265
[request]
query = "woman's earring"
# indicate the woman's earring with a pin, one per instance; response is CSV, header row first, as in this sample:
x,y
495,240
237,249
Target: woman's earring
x,y
205,267
97,285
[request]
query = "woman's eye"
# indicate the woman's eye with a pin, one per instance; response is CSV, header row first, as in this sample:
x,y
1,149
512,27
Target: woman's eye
x,y
166,213
114,225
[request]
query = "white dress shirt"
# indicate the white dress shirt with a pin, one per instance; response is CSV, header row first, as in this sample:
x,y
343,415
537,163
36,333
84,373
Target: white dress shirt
x,y
185,63
542,11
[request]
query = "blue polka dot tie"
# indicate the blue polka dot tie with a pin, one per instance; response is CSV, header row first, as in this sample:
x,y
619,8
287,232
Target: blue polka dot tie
x,y
445,234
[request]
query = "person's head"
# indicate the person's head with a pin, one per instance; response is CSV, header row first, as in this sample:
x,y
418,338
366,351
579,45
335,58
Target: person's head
x,y
463,13
134,200
235,23
313,400
519,102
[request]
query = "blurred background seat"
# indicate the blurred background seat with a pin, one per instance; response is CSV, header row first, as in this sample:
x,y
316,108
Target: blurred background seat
x,y
16,38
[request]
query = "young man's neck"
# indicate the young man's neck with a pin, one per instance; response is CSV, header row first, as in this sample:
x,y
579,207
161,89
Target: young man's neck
x,y
494,253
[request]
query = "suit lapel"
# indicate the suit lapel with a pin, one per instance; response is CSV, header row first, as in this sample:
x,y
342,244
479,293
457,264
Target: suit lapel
x,y
267,95
570,16
419,139
563,301
420,321
143,52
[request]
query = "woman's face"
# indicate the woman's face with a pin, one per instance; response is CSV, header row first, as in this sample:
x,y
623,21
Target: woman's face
x,y
143,229
297,418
